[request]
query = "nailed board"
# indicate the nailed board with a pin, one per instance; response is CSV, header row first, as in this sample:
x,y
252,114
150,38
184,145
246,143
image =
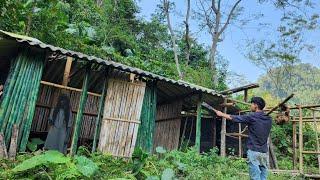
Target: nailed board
x,y
168,124
121,117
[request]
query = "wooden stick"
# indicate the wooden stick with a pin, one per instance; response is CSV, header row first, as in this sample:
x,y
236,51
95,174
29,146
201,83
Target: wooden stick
x,y
240,141
223,132
66,73
238,89
198,124
236,134
67,88
280,104
310,152
306,106
300,141
238,101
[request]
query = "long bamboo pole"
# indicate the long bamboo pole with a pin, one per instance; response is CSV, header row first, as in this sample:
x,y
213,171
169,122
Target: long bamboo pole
x,y
198,124
300,141
32,104
8,90
294,144
100,112
223,133
82,103
317,138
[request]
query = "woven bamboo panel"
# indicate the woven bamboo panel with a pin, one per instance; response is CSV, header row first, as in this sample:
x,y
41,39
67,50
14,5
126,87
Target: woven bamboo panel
x,y
168,123
44,105
121,117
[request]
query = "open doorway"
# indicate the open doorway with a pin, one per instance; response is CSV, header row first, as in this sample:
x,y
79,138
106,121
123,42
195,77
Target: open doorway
x,y
4,72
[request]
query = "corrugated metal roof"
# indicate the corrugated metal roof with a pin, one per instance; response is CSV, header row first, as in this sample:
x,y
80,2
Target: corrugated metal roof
x,y
37,43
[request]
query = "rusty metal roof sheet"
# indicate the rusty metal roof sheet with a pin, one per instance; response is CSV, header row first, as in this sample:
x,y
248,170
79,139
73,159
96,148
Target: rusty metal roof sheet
x,y
37,43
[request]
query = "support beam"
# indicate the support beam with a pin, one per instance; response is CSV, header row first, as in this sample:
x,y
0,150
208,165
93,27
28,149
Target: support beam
x,y
280,104
245,96
306,106
66,73
317,138
78,122
238,89
294,144
223,133
300,141
198,123
100,112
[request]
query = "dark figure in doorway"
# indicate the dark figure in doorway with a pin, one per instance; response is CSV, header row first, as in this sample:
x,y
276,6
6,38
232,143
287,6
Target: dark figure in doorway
x,y
60,121
259,125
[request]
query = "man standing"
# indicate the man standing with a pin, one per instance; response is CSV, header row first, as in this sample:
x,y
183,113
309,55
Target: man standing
x,y
259,125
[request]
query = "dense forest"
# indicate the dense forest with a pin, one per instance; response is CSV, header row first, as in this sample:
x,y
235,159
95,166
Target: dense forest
x,y
113,30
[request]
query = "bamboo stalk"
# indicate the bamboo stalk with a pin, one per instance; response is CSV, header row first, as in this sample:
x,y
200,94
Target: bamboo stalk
x,y
198,124
79,116
14,97
300,141
17,111
294,143
8,90
223,133
100,113
32,103
317,138
13,144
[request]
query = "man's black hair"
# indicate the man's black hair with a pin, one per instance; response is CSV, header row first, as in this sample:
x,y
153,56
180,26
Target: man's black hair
x,y
259,102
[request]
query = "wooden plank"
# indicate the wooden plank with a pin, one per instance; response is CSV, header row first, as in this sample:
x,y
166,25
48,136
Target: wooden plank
x,y
223,133
67,88
310,152
238,89
198,124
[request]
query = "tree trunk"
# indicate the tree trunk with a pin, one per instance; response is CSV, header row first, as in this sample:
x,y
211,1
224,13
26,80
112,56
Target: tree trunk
x,y
187,36
173,37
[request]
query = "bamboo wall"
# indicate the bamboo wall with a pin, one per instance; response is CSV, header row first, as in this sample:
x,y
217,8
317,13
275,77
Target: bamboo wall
x,y
44,106
148,117
121,117
168,124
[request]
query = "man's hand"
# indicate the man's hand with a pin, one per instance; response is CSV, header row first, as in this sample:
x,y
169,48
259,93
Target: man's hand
x,y
219,113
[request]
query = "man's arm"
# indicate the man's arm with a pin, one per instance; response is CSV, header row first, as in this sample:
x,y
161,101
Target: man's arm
x,y
221,114
235,118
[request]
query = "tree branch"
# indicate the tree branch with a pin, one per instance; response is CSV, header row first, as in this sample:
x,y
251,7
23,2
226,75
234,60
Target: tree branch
x,y
229,17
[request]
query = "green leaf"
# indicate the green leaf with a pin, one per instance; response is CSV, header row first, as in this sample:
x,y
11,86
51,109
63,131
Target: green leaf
x,y
152,178
55,157
86,166
37,141
160,150
167,174
32,146
30,163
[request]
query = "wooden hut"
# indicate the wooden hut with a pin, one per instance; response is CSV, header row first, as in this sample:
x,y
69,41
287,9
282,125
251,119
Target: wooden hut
x,y
115,108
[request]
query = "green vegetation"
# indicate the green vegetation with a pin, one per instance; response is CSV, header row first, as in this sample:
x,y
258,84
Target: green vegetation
x,y
186,164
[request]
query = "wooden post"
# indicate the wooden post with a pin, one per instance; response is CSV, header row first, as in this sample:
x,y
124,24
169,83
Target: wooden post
x,y
317,137
67,71
240,141
223,133
214,132
294,143
82,103
198,124
300,141
245,97
100,113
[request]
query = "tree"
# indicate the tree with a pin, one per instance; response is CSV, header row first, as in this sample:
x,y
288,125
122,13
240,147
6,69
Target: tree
x,y
216,22
166,7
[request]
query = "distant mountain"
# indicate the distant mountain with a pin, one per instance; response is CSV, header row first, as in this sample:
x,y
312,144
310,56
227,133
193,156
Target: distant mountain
x,y
301,79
